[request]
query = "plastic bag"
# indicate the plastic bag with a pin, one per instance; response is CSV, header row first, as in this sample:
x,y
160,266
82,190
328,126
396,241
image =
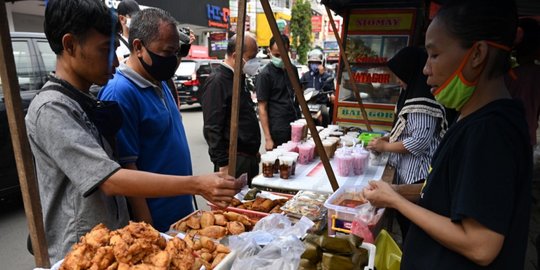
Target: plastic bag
x,y
366,215
388,255
282,247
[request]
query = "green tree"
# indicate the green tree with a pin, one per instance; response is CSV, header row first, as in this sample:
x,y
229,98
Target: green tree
x,y
301,29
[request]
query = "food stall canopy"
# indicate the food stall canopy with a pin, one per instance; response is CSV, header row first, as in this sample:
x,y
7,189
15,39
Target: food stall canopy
x,y
525,7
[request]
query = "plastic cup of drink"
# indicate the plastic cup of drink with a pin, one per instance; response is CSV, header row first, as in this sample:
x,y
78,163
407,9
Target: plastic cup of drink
x,y
294,155
359,163
328,148
304,152
285,166
297,130
344,164
268,161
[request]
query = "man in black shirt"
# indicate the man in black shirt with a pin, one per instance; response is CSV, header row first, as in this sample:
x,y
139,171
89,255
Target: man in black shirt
x,y
216,104
276,100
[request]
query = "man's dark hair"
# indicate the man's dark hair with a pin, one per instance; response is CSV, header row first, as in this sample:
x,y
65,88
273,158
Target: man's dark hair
x,y
76,17
489,20
145,25
128,7
285,41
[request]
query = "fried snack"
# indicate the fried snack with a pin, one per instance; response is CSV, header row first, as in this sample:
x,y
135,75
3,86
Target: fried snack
x,y
181,227
220,248
235,227
235,202
220,220
218,259
207,219
265,206
80,257
208,244
104,258
98,236
214,231
194,222
231,216
258,201
276,209
245,220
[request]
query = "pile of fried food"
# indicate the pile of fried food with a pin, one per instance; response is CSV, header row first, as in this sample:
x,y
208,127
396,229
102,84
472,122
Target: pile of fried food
x,y
214,224
260,204
138,246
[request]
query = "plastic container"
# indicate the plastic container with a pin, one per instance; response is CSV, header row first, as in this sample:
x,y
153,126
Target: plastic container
x,y
341,209
367,137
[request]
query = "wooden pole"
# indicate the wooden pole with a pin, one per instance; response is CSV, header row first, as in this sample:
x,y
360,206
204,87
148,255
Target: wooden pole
x,y
21,147
237,83
299,94
349,70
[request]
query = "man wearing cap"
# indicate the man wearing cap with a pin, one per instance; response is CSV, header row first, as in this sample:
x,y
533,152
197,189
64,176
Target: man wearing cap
x,y
126,9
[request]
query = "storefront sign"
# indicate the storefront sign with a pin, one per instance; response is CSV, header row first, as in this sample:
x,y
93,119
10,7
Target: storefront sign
x,y
365,77
217,16
374,114
338,26
379,21
316,24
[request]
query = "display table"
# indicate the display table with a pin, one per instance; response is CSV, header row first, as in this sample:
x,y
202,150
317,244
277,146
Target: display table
x,y
313,177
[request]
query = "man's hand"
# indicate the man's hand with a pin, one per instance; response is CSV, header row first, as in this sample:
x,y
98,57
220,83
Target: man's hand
x,y
381,194
218,188
224,170
269,145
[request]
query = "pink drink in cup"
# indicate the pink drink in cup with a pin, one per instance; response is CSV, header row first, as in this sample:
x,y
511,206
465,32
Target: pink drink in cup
x,y
297,131
344,163
304,153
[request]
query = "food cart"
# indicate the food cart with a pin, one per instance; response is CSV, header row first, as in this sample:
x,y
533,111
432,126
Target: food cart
x,y
372,33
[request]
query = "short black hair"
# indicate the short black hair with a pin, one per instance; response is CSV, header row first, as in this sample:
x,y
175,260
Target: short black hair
x,y
529,46
128,7
285,39
489,20
145,25
76,17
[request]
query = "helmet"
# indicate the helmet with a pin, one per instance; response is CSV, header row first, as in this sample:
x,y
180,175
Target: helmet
x,y
315,55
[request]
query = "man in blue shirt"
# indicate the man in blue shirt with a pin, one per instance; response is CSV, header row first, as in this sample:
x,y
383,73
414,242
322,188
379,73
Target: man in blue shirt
x,y
152,137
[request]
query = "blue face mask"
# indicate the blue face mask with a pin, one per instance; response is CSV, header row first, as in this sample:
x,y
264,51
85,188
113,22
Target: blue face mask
x,y
314,67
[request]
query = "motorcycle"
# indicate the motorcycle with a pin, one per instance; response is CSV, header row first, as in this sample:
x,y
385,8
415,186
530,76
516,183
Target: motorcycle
x,y
319,111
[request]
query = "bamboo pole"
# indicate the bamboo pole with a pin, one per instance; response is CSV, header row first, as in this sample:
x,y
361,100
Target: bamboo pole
x,y
299,94
237,83
349,70
21,147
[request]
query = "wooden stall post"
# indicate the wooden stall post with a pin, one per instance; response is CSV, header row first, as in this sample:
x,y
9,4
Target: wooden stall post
x,y
349,70
299,94
21,147
237,83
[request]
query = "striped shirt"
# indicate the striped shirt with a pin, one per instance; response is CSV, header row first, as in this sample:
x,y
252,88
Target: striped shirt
x,y
421,138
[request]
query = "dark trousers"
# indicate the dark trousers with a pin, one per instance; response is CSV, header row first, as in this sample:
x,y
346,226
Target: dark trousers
x,y
245,164
280,136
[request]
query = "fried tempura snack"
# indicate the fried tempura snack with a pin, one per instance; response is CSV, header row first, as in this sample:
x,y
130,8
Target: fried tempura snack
x,y
235,227
207,219
215,232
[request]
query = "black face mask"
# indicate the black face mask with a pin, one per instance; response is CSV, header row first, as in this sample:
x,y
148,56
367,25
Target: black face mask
x,y
162,68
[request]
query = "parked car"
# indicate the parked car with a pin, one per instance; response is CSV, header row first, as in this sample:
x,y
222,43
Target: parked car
x,y
34,61
190,76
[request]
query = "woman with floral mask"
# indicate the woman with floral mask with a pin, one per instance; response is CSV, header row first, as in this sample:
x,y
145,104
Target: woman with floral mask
x,y
473,211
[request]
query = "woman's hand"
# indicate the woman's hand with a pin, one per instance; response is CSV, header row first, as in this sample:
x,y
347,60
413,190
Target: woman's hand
x,y
378,145
381,194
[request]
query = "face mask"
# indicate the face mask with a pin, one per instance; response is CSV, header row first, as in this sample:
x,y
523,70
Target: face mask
x,y
251,66
456,91
128,22
276,61
162,68
314,67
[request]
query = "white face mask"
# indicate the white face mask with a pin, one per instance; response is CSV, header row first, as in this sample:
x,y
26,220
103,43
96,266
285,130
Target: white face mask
x,y
128,22
251,66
